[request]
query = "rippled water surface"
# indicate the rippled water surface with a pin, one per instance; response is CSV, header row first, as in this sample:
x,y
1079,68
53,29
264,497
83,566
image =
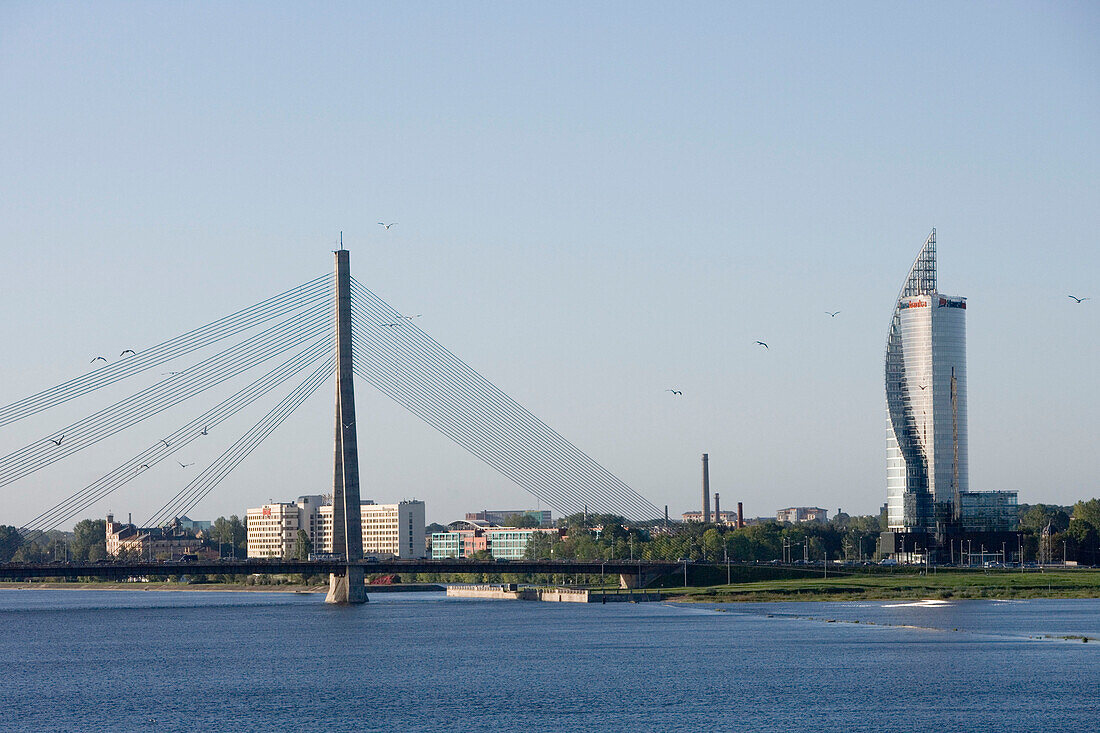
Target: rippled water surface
x,y
228,661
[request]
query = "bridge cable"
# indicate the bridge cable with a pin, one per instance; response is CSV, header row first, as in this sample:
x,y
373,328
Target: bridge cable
x,y
199,427
459,423
274,307
455,426
216,472
610,490
613,487
158,397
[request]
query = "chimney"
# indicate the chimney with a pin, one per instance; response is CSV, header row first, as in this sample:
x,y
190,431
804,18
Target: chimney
x,y
717,510
740,515
706,489
129,517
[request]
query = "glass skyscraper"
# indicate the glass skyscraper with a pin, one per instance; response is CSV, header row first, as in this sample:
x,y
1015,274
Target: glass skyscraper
x,y
926,447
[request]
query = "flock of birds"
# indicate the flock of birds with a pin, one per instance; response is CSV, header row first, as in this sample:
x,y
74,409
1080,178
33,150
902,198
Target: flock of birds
x,y
834,314
402,320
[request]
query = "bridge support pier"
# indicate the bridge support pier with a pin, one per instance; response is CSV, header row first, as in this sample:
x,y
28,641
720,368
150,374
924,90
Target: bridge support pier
x,y
636,580
347,588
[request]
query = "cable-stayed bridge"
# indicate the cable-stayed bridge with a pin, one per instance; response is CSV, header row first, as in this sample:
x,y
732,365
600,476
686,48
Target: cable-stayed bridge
x,y
295,332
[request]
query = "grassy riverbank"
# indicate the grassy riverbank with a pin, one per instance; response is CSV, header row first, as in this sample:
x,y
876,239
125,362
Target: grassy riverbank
x,y
945,584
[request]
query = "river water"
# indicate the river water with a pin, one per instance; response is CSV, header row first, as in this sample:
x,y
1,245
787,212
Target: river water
x,y
247,661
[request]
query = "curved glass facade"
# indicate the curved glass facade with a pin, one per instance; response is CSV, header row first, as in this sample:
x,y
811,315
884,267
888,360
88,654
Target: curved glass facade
x,y
926,446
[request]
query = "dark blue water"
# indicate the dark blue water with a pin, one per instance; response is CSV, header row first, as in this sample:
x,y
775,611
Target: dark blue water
x,y
194,661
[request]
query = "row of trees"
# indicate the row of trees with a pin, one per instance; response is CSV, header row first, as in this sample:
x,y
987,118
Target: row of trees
x,y
846,537
1052,532
1055,530
88,542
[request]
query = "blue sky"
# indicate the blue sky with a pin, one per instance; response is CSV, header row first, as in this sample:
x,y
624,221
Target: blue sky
x,y
594,204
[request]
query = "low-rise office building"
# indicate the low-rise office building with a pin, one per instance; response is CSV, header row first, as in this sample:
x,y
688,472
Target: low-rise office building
x,y
466,537
500,516
395,530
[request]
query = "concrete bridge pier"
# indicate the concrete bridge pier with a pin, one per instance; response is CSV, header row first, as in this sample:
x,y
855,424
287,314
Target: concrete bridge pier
x,y
347,588
637,580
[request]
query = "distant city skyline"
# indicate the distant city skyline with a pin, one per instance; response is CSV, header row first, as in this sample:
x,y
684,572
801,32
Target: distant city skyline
x,y
596,206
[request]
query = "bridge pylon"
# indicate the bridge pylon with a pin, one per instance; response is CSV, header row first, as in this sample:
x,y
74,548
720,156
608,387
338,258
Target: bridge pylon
x,y
347,528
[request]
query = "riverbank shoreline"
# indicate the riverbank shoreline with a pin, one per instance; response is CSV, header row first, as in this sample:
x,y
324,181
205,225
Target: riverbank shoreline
x,y
215,587
1003,585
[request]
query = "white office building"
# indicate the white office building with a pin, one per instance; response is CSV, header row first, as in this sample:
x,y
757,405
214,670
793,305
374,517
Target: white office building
x,y
389,530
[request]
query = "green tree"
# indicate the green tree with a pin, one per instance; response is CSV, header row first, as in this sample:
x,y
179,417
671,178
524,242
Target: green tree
x,y
521,521
713,545
30,552
1088,512
1035,517
10,540
302,546
230,532
89,536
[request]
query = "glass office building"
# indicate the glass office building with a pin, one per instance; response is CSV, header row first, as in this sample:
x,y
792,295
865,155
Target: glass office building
x,y
926,454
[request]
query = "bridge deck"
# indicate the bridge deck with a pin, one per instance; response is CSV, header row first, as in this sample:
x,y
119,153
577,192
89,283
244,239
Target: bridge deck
x,y
122,570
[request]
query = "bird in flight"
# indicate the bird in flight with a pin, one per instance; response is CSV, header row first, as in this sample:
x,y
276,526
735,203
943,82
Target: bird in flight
x,y
1079,300
761,343
384,224
58,441
390,325
165,443
143,466
128,351
409,318
347,426
832,314
204,430
923,386
98,358
675,392
166,373
185,465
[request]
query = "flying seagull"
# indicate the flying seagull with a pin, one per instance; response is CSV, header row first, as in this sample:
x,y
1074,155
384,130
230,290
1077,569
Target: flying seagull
x,y
384,224
185,465
167,373
58,441
1079,299
675,392
204,430
832,314
165,443
762,344
98,358
409,318
923,386
143,466
390,325
128,351
347,426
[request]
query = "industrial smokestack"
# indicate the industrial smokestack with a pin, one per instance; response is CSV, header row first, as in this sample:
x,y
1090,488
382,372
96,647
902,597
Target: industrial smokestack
x,y
717,509
706,489
740,515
